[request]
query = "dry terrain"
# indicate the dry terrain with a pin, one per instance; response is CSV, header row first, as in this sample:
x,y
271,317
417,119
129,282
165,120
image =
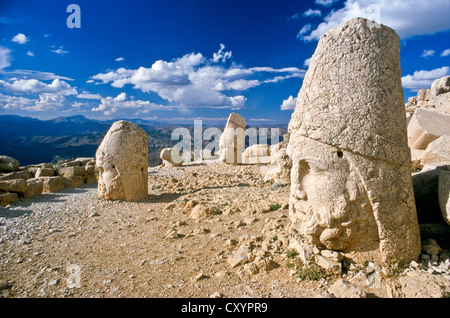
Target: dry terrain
x,y
191,238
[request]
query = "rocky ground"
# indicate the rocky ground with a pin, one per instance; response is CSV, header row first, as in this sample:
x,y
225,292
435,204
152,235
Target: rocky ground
x,y
206,230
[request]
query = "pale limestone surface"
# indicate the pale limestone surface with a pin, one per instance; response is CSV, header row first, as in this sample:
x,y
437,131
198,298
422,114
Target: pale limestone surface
x,y
122,160
259,153
280,164
170,157
426,126
437,151
232,140
351,188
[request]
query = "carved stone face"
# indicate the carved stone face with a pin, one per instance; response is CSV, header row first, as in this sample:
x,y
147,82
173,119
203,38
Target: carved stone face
x,y
122,161
328,201
110,181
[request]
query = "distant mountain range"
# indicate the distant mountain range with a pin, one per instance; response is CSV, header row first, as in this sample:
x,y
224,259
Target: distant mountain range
x,y
33,141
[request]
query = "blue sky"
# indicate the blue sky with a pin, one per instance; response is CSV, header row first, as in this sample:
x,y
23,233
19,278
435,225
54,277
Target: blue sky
x,y
180,60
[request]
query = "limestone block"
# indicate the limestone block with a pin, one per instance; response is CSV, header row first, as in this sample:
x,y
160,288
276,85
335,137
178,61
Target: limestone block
x,y
351,187
122,161
426,126
8,164
35,186
440,86
44,172
259,153
423,95
25,174
90,175
8,198
437,151
341,289
171,157
52,184
18,186
442,103
232,140
328,264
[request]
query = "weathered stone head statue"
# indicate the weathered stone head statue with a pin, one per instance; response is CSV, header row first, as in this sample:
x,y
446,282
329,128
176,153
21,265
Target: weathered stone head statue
x,y
122,160
351,188
232,139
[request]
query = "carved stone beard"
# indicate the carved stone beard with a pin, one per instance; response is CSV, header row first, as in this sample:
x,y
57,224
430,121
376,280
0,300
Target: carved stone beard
x,y
329,204
333,225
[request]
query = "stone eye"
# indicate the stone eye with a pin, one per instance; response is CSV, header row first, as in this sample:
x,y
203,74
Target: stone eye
x,y
340,154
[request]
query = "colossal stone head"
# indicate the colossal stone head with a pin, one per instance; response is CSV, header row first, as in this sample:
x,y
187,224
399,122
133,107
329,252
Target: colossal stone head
x,y
351,187
232,139
122,161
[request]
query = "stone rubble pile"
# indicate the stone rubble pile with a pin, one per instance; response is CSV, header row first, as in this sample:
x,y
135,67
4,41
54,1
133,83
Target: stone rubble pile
x,y
18,182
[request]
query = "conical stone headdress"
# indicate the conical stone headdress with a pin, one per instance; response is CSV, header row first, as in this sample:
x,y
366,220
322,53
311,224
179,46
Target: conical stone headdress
x,y
352,96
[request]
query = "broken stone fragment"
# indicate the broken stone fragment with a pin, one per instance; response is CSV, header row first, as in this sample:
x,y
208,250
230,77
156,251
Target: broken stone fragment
x,y
8,164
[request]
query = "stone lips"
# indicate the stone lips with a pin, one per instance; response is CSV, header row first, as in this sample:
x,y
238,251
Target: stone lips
x,y
351,83
122,159
351,188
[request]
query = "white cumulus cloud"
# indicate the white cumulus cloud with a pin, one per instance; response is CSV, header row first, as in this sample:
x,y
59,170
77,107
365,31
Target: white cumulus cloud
x,y
326,3
312,13
56,87
196,81
424,79
289,104
5,57
446,52
428,53
20,38
406,17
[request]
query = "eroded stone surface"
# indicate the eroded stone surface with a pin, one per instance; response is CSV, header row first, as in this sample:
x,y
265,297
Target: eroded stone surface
x,y
351,188
122,160
232,139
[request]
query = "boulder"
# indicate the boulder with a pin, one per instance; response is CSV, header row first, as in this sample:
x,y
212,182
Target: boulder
x,y
437,151
18,186
44,172
52,184
442,103
426,126
25,174
259,153
122,161
440,86
8,164
35,186
351,187
8,198
341,289
171,157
